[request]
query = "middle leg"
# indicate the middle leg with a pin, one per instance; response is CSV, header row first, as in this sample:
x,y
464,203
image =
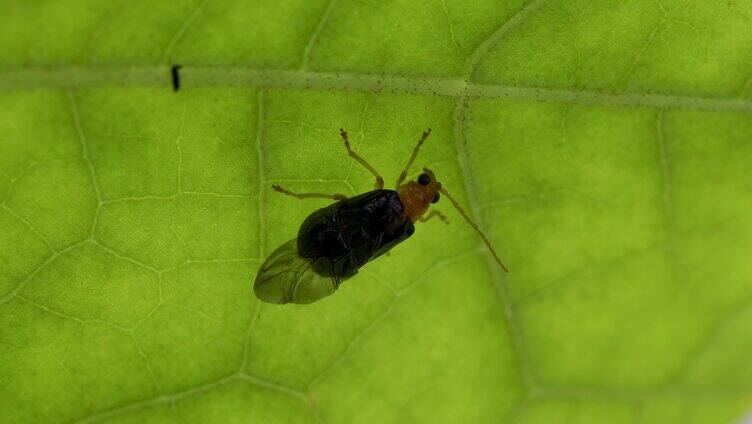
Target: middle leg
x,y
283,190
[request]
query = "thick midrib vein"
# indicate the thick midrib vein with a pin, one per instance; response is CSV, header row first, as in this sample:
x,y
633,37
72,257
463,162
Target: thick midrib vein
x,y
65,76
508,308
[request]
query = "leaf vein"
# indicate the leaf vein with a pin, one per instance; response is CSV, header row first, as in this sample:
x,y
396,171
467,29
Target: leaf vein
x,y
313,39
87,156
508,308
31,275
72,76
166,55
261,187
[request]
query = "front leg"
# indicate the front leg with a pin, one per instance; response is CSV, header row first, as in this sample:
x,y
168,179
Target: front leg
x,y
432,214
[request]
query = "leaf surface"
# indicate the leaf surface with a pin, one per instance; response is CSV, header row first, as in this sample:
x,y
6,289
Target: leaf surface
x,y
605,147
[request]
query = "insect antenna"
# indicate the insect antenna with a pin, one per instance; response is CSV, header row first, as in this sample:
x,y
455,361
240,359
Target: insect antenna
x,y
475,227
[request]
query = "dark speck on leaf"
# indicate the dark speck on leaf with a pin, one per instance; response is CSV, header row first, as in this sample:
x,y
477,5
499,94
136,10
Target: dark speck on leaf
x,y
175,77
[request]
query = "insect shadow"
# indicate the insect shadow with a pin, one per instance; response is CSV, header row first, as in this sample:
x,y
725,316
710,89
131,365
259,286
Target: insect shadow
x,y
335,241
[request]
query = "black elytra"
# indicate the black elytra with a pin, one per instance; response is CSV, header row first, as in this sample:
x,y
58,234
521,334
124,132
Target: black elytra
x,y
352,232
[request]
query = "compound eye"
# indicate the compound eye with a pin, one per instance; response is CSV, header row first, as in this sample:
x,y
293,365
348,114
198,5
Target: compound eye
x,y
424,179
436,197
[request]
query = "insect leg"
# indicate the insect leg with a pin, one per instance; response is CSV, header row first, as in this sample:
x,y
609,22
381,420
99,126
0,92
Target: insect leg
x,y
379,180
432,214
308,195
403,175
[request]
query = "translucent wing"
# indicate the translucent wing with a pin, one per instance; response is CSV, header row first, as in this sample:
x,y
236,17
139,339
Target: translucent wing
x,y
286,277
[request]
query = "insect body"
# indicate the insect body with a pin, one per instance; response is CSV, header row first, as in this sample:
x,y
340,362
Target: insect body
x,y
335,241
352,232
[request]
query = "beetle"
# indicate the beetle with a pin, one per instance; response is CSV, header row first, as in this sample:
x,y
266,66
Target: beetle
x,y
337,240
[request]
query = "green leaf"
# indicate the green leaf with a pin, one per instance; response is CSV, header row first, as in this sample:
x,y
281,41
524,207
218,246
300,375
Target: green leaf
x,y
605,147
